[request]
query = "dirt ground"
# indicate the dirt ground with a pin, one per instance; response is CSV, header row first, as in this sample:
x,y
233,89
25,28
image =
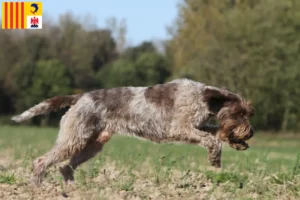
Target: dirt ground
x,y
110,184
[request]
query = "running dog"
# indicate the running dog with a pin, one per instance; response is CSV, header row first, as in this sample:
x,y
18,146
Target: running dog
x,y
176,111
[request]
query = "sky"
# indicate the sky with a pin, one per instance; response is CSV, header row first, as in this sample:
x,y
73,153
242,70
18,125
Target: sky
x,y
145,19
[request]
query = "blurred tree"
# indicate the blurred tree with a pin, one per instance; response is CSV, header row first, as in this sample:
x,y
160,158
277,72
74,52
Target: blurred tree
x,y
151,68
49,79
9,56
35,47
6,105
119,30
132,53
84,52
248,47
137,66
117,74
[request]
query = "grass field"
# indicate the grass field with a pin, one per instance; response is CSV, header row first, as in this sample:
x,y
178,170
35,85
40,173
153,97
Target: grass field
x,y
129,168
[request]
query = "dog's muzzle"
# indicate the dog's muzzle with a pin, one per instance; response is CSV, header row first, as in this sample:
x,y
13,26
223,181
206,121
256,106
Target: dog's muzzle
x,y
243,133
251,133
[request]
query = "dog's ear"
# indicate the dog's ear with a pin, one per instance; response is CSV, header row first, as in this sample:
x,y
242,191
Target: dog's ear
x,y
217,98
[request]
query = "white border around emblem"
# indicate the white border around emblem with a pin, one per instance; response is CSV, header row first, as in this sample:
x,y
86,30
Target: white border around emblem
x,y
40,22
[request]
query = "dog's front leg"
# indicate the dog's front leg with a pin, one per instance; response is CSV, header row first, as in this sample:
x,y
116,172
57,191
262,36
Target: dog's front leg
x,y
213,145
205,139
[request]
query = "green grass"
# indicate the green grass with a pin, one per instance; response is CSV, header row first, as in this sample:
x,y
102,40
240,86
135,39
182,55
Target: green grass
x,y
271,162
7,178
271,153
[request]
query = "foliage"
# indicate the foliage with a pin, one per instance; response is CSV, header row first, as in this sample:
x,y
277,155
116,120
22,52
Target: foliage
x,y
49,79
138,66
7,178
249,47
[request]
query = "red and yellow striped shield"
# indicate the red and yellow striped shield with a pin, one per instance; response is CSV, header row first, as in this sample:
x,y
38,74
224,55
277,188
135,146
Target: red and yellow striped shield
x,y
21,15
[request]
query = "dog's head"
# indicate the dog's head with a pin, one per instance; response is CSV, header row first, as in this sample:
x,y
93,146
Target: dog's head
x,y
232,111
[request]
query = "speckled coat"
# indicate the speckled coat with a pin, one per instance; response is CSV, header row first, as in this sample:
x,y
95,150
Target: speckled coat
x,y
177,111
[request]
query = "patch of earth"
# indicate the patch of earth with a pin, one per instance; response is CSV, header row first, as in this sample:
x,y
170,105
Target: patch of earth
x,y
111,183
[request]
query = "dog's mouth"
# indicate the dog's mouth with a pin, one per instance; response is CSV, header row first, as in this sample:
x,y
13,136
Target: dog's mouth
x,y
238,144
234,140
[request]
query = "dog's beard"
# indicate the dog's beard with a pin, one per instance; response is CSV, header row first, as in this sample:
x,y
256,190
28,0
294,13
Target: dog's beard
x,y
232,128
242,132
238,144
235,136
235,143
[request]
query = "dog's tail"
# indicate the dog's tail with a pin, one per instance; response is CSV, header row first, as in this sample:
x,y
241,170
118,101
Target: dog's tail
x,y
47,106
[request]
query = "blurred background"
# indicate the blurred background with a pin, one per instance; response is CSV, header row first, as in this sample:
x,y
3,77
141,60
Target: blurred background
x,y
249,47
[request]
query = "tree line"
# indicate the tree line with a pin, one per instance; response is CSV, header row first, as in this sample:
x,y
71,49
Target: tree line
x,y
249,47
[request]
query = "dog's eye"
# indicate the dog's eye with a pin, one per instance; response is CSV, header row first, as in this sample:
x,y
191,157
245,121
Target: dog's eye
x,y
242,114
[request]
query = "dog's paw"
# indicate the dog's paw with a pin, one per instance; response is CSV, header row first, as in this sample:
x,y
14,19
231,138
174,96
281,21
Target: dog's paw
x,y
67,174
35,181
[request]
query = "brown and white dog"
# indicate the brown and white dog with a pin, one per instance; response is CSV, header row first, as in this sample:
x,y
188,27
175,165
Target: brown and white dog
x,y
177,111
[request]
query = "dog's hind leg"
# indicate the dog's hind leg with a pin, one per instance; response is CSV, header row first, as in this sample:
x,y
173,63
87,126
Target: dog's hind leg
x,y
91,149
60,152
73,136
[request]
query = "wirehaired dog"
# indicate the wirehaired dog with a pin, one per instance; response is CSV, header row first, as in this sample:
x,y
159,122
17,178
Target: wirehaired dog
x,y
175,111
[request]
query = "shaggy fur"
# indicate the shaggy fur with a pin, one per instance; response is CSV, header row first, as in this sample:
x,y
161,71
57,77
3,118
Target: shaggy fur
x,y
177,111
